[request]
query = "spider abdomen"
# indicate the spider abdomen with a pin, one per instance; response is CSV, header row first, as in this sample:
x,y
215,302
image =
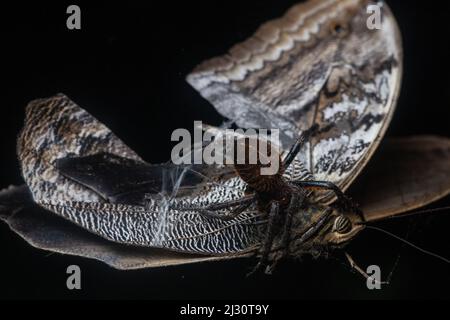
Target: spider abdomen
x,y
261,168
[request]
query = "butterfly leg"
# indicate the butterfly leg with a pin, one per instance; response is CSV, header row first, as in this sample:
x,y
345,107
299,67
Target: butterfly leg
x,y
270,236
295,149
354,266
345,202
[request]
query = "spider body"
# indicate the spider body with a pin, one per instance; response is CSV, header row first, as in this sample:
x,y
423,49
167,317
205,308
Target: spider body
x,y
284,204
267,188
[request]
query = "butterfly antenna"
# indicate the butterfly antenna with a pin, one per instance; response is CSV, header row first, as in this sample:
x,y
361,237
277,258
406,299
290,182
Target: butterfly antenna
x,y
409,243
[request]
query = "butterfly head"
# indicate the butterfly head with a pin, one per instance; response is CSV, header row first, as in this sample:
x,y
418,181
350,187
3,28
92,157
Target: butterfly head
x,y
318,228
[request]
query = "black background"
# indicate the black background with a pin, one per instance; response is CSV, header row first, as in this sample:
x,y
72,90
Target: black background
x,y
127,67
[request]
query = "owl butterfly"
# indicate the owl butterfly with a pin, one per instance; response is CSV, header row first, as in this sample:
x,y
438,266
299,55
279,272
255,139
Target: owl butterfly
x,y
319,65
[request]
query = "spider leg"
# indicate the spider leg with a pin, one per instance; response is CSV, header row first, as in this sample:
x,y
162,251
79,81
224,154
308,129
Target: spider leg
x,y
296,198
226,217
210,211
346,203
270,236
296,201
295,149
247,199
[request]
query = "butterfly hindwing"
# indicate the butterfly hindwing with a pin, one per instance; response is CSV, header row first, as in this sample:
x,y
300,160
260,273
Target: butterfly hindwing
x,y
77,168
407,173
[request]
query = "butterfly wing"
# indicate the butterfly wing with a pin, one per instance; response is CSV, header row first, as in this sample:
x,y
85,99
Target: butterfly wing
x,y
320,64
121,180
57,128
407,173
60,140
44,230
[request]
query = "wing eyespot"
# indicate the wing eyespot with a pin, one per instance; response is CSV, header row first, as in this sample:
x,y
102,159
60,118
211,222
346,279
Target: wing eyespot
x,y
339,29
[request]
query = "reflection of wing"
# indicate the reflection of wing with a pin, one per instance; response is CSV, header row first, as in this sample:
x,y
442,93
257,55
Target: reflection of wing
x,y
317,64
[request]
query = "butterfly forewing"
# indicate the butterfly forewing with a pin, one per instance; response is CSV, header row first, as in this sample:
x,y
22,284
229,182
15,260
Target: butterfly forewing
x,y
320,63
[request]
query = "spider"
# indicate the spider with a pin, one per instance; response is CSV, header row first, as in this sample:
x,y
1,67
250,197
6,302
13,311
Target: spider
x,y
277,199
